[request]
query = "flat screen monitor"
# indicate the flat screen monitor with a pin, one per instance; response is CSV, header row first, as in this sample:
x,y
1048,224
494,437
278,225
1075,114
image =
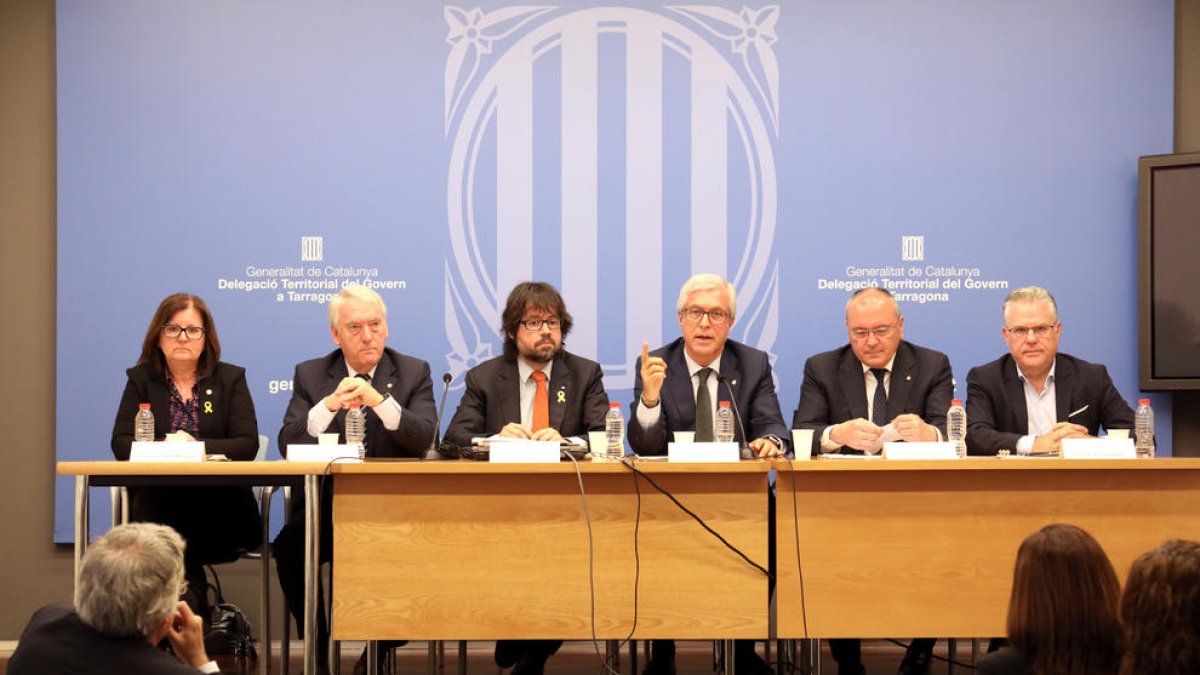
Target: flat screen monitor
x,y
1169,272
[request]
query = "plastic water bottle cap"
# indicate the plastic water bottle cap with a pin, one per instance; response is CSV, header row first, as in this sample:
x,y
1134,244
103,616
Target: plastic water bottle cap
x,y
143,406
957,401
614,404
724,404
1143,401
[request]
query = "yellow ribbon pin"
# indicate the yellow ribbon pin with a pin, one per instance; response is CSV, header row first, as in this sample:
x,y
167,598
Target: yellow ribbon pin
x,y
562,396
208,407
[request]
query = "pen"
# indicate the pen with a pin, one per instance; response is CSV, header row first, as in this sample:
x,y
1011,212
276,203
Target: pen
x,y
1078,411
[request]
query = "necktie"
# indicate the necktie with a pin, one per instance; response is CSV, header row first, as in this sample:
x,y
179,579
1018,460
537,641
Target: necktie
x,y
541,402
363,376
704,420
879,414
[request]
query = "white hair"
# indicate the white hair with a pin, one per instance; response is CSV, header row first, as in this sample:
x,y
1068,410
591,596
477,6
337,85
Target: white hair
x,y
707,282
130,580
355,292
1029,294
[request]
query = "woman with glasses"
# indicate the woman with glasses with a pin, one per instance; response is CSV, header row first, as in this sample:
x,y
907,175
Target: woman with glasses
x,y
194,397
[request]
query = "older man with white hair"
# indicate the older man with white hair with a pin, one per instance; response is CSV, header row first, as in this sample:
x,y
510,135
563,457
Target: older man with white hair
x,y
126,603
394,389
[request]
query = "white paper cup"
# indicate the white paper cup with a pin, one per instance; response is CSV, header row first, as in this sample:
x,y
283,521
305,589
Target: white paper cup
x,y
1118,433
685,436
327,439
597,442
802,443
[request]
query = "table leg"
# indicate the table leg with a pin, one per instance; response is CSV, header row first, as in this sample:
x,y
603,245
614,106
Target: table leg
x,y
81,521
312,538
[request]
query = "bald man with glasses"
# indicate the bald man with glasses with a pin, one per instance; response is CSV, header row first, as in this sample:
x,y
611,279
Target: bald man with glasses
x,y
877,388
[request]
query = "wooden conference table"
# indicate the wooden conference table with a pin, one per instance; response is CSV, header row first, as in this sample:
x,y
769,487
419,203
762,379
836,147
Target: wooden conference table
x,y
125,474
470,550
926,548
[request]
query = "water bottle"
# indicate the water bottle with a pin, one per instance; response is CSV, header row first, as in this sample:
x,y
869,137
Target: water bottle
x,y
956,426
356,429
143,423
1143,429
723,427
614,431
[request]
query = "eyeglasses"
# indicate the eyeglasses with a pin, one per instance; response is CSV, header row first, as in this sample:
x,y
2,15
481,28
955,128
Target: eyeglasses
x,y
354,327
879,333
1039,331
535,325
192,332
717,317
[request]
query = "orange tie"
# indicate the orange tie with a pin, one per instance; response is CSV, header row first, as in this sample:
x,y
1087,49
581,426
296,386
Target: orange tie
x,y
541,402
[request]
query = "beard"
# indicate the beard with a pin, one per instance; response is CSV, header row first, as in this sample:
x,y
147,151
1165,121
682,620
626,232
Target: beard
x,y
543,352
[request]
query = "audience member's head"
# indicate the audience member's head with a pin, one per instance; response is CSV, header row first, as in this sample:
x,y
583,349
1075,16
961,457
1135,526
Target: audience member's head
x,y
1063,611
130,580
1161,611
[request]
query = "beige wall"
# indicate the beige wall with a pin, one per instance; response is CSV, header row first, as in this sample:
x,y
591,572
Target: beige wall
x,y
32,570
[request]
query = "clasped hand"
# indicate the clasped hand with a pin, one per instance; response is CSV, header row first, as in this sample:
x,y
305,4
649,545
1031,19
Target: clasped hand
x,y
353,390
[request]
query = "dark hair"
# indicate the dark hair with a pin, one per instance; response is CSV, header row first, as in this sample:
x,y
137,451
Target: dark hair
x,y
1063,611
530,295
1161,611
171,305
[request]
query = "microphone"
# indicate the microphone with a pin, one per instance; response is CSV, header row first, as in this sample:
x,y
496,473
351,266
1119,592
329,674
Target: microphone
x,y
437,421
746,452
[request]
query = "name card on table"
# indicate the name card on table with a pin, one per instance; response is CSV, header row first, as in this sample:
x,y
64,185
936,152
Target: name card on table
x,y
1098,448
523,452
323,452
919,450
160,451
703,452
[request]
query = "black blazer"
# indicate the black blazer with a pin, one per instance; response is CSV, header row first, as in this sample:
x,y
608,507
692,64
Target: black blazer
x,y
228,424
216,522
1004,661
404,377
997,416
493,398
57,642
748,373
834,389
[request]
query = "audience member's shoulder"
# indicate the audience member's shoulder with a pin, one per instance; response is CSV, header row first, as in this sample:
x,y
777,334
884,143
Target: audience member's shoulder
x,y
991,367
1004,661
1081,365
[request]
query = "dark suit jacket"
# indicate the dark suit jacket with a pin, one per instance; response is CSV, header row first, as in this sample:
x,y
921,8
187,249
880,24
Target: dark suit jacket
x,y
230,429
748,373
1005,661
57,642
834,389
404,377
216,522
493,398
997,416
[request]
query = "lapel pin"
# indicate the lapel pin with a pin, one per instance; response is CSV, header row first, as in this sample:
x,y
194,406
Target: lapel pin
x,y
208,407
208,391
562,396
908,378
389,385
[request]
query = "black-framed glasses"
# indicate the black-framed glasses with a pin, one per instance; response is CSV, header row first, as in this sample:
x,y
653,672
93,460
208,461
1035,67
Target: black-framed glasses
x,y
717,317
535,325
356,327
192,332
1039,331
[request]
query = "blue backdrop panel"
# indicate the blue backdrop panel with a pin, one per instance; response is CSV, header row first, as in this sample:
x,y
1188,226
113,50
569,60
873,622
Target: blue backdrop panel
x,y
262,154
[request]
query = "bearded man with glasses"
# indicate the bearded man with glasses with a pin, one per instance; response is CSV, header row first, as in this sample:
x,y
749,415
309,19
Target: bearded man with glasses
x,y
877,388
535,390
1030,399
